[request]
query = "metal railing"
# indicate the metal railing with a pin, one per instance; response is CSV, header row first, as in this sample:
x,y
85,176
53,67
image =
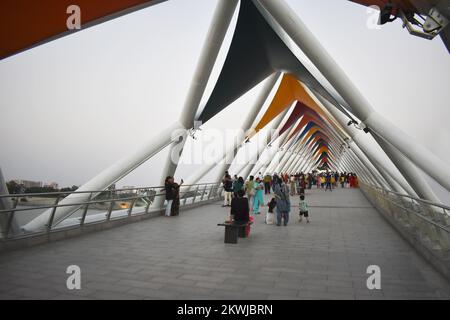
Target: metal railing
x,y
101,206
428,220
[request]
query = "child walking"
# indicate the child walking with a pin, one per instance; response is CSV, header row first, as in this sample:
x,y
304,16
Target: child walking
x,y
303,209
270,216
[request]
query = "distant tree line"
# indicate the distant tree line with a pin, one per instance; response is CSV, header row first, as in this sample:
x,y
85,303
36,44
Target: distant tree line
x,y
15,188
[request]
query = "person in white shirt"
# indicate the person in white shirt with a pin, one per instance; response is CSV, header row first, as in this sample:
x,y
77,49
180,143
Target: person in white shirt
x,y
303,209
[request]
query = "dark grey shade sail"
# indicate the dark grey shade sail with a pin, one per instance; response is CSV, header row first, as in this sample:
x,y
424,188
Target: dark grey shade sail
x,y
256,52
445,36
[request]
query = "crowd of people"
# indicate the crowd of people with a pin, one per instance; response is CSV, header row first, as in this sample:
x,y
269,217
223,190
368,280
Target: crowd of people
x,y
246,198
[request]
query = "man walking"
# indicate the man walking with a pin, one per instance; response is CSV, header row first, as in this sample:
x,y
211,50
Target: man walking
x,y
283,202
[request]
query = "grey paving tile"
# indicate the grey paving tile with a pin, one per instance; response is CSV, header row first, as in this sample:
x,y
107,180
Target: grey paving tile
x,y
111,287
271,290
70,297
232,295
32,293
220,286
185,258
187,290
202,278
326,295
111,295
281,297
173,281
140,284
147,293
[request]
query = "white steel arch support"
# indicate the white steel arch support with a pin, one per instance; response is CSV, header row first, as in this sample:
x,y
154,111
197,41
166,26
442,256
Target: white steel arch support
x,y
287,150
251,117
213,42
384,165
271,139
306,41
257,165
173,133
375,173
298,161
414,177
220,23
246,126
363,169
355,168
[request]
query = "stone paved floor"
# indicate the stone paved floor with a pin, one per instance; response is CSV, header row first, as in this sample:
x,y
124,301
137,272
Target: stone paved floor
x,y
185,258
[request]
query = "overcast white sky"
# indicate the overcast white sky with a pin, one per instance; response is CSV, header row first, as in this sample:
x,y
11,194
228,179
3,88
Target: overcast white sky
x,y
72,107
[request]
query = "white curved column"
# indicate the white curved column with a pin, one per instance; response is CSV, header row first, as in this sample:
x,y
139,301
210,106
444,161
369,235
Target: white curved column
x,y
414,177
304,38
251,117
382,163
217,30
173,133
359,154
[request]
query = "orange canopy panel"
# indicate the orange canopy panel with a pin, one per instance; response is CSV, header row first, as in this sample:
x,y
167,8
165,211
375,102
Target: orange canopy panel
x,y
316,155
307,118
322,151
27,23
303,122
315,140
289,91
300,110
310,132
319,149
319,136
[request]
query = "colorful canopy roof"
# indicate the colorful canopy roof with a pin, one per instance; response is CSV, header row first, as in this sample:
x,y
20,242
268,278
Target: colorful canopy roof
x,y
256,52
28,23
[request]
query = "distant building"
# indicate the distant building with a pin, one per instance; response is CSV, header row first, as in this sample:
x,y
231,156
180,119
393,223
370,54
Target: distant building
x,y
29,183
53,185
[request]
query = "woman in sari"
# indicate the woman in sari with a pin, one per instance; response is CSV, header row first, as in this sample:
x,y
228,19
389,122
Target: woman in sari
x,y
258,200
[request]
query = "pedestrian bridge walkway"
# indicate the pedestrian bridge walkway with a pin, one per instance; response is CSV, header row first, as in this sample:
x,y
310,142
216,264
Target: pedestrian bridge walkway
x,y
184,257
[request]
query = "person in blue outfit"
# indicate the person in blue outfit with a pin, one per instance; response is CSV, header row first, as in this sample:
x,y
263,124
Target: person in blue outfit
x,y
258,200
